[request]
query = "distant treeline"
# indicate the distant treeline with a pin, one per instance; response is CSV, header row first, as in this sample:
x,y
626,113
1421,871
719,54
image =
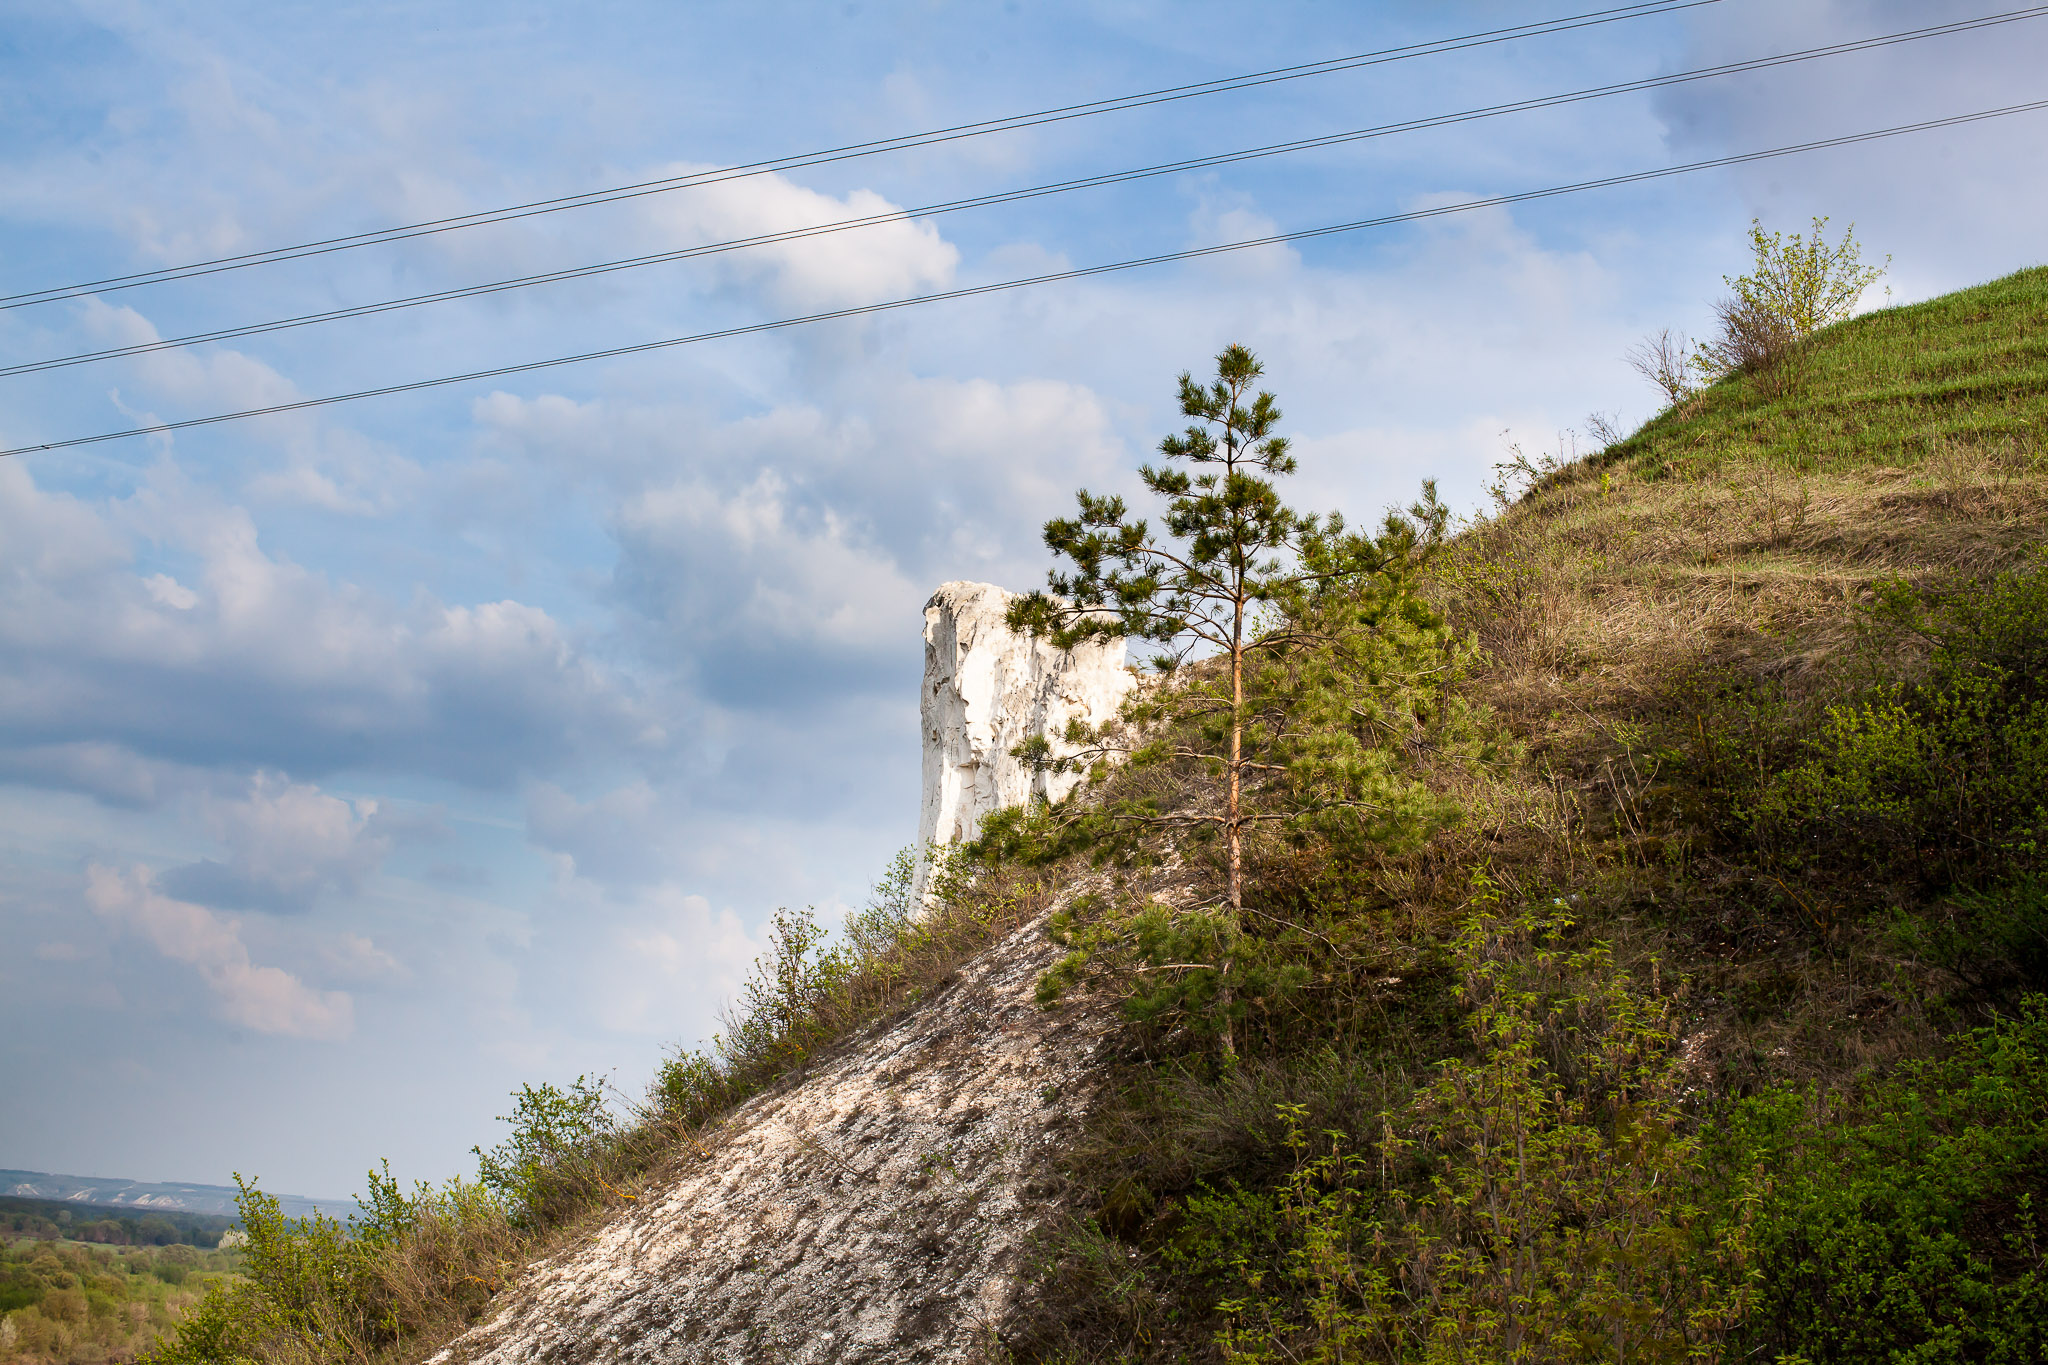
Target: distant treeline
x,y
108,1225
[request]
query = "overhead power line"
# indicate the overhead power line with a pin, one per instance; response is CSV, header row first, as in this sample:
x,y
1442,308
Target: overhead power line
x,y
1033,192
852,151
1084,272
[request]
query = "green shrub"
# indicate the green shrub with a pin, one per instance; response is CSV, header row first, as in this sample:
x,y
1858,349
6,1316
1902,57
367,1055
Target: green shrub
x,y
551,1162
303,1281
1901,1226
1802,282
1794,288
228,1327
1941,782
1538,1200
318,1290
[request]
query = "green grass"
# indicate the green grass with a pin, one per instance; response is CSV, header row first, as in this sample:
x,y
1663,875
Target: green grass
x,y
1887,388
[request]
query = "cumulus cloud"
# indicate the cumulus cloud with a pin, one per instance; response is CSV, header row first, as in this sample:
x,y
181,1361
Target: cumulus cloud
x,y
287,843
895,257
326,464
248,659
264,999
788,554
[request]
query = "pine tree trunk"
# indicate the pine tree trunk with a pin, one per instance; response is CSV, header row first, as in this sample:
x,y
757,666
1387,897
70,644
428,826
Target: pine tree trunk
x,y
1233,826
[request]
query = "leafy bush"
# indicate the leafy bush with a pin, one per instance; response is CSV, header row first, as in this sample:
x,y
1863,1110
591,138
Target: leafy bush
x,y
1801,283
304,1280
1941,782
1795,286
1539,1200
1901,1226
561,1140
319,1290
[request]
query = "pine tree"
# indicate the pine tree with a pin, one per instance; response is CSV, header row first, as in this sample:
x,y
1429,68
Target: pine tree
x,y
1298,656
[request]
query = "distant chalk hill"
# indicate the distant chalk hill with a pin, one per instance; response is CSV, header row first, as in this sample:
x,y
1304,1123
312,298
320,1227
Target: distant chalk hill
x,y
140,1194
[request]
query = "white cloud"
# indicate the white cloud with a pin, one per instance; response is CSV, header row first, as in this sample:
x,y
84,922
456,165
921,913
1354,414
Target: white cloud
x,y
357,958
287,842
168,591
248,659
326,465
864,265
264,999
1220,218
794,549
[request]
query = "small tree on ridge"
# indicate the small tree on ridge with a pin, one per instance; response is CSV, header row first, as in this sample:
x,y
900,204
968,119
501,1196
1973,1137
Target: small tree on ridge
x,y
1316,632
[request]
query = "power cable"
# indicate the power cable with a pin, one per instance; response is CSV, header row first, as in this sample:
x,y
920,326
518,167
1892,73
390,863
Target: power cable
x,y
1034,192
851,151
1085,272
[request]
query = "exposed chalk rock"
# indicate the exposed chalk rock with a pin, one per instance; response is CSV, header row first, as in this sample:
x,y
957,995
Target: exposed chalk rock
x,y
987,689
875,1209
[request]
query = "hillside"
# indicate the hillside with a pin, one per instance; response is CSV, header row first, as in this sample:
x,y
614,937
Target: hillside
x,y
1776,730
873,1208
1689,1010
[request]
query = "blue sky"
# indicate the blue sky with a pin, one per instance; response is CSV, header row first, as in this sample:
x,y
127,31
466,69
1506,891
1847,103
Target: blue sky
x,y
357,765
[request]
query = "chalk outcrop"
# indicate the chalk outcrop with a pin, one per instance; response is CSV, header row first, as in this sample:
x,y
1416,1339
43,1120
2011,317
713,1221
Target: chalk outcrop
x,y
875,1211
988,689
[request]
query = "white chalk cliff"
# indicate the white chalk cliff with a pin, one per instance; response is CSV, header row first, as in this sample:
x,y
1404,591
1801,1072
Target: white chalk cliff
x,y
988,689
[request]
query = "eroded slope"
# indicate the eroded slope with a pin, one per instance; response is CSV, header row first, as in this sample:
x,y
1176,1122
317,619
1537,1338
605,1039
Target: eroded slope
x,y
872,1210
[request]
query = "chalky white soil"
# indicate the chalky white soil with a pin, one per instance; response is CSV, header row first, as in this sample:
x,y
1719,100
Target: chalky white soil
x,y
874,1210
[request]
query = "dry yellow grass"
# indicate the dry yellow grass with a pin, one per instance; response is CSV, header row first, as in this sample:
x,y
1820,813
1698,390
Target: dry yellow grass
x,y
1732,543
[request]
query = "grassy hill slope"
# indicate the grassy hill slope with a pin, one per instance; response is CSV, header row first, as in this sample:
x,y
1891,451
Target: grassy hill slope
x,y
1736,954
1693,599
